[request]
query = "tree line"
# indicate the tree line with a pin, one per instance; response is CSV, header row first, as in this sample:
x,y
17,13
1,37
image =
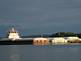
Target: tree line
x,y
66,34
58,34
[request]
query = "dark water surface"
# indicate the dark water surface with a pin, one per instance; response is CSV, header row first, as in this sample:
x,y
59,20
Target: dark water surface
x,y
40,53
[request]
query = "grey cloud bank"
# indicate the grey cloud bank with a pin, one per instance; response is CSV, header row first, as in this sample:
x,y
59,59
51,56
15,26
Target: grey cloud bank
x,y
40,16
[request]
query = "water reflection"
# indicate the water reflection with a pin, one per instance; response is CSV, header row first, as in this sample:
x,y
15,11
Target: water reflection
x,y
14,53
40,53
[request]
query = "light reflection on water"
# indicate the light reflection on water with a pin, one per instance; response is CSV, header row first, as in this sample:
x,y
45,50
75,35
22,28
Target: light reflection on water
x,y
14,53
40,53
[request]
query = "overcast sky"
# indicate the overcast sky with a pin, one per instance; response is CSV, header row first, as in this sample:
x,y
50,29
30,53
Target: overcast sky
x,y
40,16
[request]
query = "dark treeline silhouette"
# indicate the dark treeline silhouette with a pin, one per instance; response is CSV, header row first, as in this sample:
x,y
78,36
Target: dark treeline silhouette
x,y
63,34
66,34
58,34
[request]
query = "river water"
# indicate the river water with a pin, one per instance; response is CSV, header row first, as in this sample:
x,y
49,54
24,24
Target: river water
x,y
40,53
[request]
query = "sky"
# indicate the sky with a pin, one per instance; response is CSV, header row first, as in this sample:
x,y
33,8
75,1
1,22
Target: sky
x,y
40,16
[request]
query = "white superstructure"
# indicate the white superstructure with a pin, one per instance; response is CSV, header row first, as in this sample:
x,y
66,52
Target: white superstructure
x,y
13,34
